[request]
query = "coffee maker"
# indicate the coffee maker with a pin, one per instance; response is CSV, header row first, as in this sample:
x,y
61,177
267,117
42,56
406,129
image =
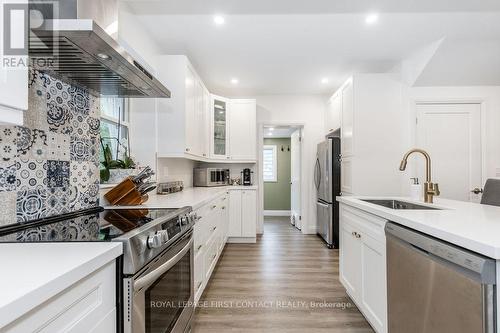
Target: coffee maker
x,y
247,177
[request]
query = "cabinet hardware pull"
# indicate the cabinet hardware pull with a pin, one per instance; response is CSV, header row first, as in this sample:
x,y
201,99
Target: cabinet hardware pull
x,y
215,228
223,207
215,255
213,207
199,285
199,247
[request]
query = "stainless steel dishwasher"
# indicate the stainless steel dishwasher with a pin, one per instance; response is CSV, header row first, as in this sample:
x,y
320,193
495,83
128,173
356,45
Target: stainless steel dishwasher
x,y
435,287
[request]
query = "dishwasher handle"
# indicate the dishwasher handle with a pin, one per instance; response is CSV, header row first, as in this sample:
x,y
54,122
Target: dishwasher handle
x,y
483,267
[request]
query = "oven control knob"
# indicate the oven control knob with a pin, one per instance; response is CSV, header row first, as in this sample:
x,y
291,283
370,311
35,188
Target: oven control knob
x,y
184,220
155,241
164,235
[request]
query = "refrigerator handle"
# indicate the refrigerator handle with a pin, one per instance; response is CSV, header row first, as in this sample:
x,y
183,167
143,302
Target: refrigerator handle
x,y
317,174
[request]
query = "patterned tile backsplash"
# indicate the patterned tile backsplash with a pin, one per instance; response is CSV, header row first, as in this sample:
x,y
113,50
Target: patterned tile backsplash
x,y
50,165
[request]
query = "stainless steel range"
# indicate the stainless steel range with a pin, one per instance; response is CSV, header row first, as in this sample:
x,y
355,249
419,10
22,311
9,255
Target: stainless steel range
x,y
155,274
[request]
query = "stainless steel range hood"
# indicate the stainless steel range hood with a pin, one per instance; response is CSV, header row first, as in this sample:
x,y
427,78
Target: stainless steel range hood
x,y
73,46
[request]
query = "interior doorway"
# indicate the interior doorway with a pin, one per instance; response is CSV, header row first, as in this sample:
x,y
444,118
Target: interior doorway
x,y
451,133
281,173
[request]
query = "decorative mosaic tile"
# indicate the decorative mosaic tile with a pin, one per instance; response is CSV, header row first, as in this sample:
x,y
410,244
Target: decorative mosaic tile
x,y
95,149
79,101
58,108
58,173
32,143
31,174
36,115
31,205
73,196
80,125
8,147
80,148
8,178
83,174
57,201
94,126
7,208
58,146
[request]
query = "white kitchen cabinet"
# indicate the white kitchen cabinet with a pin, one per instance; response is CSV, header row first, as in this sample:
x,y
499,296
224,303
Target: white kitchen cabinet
x,y
210,236
243,129
242,216
13,78
220,128
373,134
87,306
333,113
248,213
363,263
182,122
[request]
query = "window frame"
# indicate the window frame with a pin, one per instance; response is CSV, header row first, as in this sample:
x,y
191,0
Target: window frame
x,y
117,122
274,149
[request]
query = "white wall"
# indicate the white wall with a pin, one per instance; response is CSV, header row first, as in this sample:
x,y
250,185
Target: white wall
x,y
176,169
489,96
309,111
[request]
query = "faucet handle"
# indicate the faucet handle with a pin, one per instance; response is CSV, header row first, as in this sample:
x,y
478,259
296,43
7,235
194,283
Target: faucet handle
x,y
436,189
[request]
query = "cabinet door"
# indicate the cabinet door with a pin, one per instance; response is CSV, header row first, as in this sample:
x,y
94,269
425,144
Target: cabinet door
x,y
346,172
243,130
234,214
334,109
198,138
220,122
347,119
350,259
190,131
206,124
248,213
373,285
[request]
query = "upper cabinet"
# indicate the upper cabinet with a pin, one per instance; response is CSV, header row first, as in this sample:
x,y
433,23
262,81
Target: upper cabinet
x,y
243,130
234,129
182,126
200,126
373,126
220,128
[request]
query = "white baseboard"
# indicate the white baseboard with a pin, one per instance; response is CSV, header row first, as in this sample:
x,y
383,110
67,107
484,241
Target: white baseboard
x,y
277,213
241,240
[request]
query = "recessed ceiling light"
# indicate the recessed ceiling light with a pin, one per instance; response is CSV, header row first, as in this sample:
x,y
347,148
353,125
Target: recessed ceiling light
x,y
103,56
235,81
324,80
219,20
371,18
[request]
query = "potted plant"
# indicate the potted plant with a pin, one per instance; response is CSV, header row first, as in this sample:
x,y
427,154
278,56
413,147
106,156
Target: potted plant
x,y
115,170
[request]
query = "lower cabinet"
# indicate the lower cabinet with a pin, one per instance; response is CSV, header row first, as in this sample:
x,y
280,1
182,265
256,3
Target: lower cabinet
x,y
210,237
87,306
242,216
363,263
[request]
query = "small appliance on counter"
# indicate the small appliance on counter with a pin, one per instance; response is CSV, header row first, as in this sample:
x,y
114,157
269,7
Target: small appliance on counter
x,y
208,177
170,187
247,177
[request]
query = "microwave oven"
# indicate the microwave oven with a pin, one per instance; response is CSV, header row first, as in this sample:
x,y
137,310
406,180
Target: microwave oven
x,y
207,177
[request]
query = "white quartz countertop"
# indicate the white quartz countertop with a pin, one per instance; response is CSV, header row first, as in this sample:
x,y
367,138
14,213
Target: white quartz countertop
x,y
32,273
195,197
469,225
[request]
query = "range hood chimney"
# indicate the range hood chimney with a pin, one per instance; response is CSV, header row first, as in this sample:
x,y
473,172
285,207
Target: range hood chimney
x,y
75,41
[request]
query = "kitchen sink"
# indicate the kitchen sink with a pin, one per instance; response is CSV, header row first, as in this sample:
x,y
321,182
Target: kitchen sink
x,y
396,204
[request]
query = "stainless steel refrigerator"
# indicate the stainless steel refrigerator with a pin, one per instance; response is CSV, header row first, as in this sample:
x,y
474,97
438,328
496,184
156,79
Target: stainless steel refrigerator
x,y
327,181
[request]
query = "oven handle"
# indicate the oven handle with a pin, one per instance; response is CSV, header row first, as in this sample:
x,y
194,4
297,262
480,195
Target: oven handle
x,y
154,275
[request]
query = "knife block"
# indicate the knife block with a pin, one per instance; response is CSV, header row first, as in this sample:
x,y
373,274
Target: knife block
x,y
125,194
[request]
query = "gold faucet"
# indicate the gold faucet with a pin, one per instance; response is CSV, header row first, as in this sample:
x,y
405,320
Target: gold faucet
x,y
430,189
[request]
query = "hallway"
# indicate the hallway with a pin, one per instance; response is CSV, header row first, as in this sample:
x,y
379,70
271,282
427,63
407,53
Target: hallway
x,y
287,282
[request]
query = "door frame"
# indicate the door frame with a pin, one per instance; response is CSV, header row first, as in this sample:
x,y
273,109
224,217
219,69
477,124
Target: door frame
x,y
437,100
260,148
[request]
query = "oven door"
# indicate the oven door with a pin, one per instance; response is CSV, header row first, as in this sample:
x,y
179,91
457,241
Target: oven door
x,y
160,298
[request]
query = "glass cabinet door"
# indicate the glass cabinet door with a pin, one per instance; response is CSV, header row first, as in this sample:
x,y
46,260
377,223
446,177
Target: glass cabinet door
x,y
220,126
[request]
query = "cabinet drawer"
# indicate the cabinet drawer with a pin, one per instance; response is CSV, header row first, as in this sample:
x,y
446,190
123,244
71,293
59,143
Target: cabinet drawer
x,y
365,222
210,258
199,274
80,308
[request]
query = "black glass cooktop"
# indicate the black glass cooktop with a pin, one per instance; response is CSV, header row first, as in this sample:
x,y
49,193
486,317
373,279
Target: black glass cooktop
x,y
90,225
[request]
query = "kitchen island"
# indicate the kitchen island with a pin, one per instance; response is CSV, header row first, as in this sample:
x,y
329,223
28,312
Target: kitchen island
x,y
363,256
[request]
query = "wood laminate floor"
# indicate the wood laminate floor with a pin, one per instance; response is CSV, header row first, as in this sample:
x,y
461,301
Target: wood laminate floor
x,y
287,282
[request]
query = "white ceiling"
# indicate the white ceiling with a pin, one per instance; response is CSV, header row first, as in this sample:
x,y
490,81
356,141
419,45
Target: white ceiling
x,y
288,46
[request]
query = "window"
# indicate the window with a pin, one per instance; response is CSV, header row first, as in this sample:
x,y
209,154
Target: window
x,y
270,164
115,126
